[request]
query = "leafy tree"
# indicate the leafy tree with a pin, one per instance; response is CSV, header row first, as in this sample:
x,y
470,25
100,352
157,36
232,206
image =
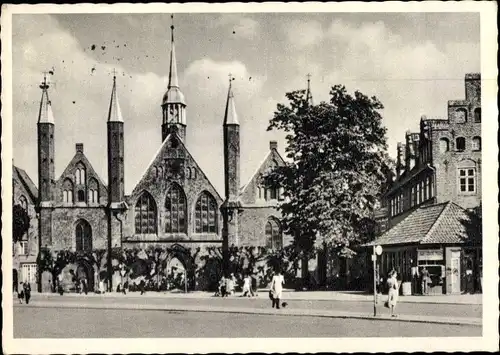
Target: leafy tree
x,y
20,222
337,168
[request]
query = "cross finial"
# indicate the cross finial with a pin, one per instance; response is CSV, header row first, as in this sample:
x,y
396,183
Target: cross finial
x,y
230,78
308,77
172,26
44,85
114,73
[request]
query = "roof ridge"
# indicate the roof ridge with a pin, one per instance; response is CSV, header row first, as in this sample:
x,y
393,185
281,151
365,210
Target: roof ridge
x,y
438,220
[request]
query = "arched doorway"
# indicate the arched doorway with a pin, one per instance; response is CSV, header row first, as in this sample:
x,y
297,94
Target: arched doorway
x,y
180,265
84,270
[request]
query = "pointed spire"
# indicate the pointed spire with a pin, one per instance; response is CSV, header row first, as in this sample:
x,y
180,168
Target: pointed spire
x,y
172,77
230,116
309,98
115,113
45,115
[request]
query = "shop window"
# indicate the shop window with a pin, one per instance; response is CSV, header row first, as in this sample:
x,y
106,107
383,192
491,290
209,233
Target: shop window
x,y
28,272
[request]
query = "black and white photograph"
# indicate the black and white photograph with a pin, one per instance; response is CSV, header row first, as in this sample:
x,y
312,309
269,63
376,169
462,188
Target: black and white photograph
x,y
266,177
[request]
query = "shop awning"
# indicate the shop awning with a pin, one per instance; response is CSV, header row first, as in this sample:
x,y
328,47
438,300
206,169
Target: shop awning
x,y
444,223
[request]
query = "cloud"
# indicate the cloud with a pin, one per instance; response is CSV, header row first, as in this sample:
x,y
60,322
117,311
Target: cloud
x,y
303,33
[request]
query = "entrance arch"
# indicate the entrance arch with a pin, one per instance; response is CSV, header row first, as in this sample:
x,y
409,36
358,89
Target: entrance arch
x,y
85,270
180,258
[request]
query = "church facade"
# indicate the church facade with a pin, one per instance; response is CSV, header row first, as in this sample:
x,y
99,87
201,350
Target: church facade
x,y
173,206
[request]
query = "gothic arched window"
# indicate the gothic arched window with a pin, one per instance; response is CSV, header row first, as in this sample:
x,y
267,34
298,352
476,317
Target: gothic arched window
x,y
23,202
175,210
205,214
145,214
83,234
274,239
93,194
444,145
68,191
80,174
81,196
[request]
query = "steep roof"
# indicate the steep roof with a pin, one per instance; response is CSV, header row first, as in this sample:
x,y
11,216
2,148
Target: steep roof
x,y
435,224
24,178
159,152
115,113
80,156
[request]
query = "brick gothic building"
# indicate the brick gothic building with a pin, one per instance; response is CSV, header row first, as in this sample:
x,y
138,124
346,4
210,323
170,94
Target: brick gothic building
x,y
174,205
438,178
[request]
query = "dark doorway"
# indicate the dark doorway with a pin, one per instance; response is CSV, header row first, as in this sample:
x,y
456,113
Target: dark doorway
x,y
15,283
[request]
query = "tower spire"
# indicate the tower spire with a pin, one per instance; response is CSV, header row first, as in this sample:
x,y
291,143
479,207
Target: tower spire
x,y
172,77
115,113
230,117
309,98
45,115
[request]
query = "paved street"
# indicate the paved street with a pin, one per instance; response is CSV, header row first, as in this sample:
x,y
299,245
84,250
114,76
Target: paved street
x,y
262,302
32,322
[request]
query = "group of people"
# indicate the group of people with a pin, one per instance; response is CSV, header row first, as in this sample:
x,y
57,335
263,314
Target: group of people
x,y
24,292
249,288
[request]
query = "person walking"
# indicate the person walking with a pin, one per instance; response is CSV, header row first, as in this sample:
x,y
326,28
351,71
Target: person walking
x,y
60,284
246,287
425,281
20,292
392,298
277,288
27,292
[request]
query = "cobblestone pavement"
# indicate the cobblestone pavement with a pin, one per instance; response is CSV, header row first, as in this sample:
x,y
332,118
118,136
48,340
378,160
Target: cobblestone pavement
x,y
33,322
262,302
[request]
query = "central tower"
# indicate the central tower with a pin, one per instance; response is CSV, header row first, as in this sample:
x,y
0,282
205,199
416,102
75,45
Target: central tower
x,y
173,103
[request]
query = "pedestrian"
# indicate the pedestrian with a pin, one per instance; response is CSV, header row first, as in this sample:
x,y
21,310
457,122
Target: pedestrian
x,y
27,292
101,287
425,281
142,287
392,298
246,287
60,284
229,285
125,287
277,288
20,292
254,285
85,285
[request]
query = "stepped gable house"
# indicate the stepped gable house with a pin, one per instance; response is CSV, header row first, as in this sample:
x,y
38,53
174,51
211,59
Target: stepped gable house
x,y
174,205
438,178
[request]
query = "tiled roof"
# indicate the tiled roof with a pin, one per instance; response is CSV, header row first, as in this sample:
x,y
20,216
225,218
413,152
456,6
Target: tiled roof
x,y
26,180
435,224
449,228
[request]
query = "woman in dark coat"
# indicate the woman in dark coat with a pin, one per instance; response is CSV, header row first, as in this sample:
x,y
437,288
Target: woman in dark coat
x,y
27,292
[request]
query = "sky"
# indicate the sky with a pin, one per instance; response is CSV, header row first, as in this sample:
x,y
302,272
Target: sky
x,y
413,62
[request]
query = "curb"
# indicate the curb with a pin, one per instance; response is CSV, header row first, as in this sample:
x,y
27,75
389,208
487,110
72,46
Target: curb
x,y
283,312
193,296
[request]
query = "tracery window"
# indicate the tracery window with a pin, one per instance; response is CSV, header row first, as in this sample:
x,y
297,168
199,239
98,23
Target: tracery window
x,y
205,214
175,210
145,215
274,239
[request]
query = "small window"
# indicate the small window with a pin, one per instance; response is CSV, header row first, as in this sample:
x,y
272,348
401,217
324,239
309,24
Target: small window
x,y
476,143
461,116
81,196
444,145
477,115
460,144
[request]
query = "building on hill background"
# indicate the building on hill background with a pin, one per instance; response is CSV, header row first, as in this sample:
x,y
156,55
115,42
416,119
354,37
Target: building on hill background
x,y
438,181
173,206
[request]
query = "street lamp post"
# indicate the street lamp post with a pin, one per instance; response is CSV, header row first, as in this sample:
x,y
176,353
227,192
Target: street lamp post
x,y
377,250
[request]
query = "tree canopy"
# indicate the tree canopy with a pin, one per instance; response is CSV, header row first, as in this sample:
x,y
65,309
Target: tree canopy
x,y
20,222
336,170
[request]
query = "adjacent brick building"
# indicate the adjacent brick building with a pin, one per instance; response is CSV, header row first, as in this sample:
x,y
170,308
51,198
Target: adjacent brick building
x,y
438,176
174,205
